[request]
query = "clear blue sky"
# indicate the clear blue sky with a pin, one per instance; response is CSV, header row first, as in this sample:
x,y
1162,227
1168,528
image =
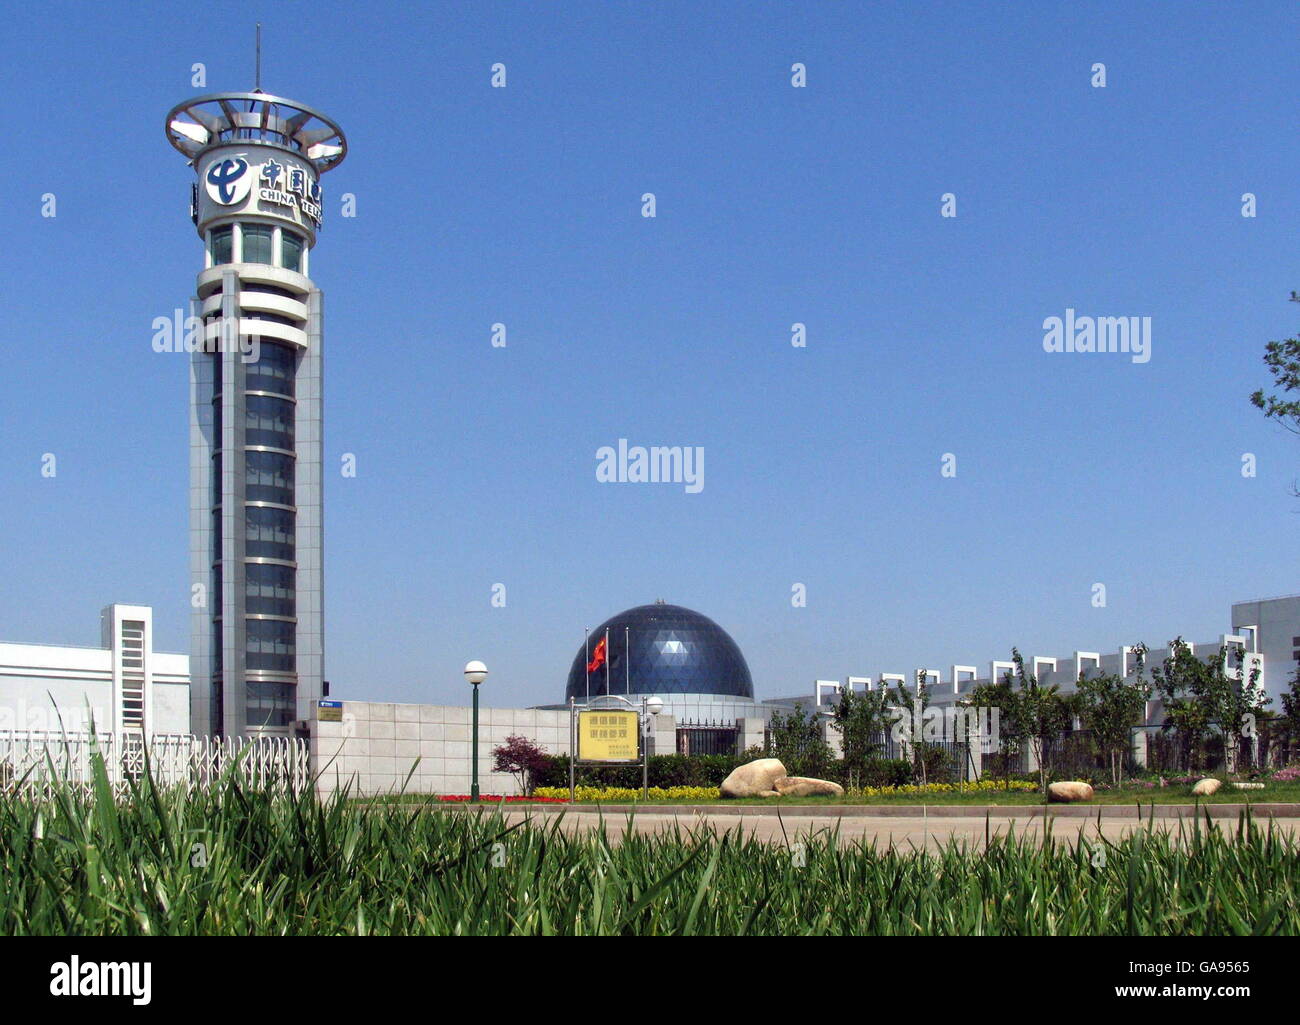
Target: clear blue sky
x,y
775,205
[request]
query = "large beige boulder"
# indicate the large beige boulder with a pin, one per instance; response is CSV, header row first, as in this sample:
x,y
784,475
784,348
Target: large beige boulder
x,y
1206,787
1068,791
754,779
806,786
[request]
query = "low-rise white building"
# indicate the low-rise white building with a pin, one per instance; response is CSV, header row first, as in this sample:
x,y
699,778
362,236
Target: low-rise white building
x,y
1266,631
123,685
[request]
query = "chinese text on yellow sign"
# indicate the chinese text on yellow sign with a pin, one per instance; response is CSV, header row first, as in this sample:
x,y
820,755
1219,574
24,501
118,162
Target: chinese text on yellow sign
x,y
607,736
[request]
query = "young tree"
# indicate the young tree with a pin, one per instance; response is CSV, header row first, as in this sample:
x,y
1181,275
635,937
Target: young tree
x,y
860,720
1234,699
914,705
520,757
1203,698
1110,706
1000,694
797,741
1040,714
1180,682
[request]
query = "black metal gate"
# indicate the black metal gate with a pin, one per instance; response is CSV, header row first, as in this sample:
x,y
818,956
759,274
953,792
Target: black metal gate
x,y
707,738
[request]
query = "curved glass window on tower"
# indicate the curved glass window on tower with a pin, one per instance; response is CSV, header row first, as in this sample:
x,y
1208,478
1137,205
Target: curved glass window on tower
x,y
257,243
269,704
268,533
290,251
222,245
271,645
265,289
268,477
268,589
216,478
268,421
272,370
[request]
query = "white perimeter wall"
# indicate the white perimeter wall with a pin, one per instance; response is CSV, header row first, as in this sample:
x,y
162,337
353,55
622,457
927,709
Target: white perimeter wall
x,y
377,743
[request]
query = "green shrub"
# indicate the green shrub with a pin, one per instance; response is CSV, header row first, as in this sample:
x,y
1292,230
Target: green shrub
x,y
664,771
940,766
711,770
887,772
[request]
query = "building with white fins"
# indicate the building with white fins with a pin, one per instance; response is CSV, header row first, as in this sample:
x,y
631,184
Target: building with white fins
x,y
124,687
255,410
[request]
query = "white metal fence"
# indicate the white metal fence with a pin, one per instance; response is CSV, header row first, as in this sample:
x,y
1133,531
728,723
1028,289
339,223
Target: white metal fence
x,y
38,759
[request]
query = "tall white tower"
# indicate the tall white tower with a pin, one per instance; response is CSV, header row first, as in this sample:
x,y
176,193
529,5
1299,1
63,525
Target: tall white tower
x,y
257,646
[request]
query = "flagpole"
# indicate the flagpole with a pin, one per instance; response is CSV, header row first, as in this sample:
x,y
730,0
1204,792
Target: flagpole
x,y
586,650
627,660
607,690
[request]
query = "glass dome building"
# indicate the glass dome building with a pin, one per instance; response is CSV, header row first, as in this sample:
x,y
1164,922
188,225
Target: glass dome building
x,y
674,653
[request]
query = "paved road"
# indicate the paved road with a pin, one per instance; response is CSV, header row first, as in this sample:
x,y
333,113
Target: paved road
x,y
900,831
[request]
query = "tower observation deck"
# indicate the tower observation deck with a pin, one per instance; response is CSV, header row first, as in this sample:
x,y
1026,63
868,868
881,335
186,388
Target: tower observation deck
x,y
257,644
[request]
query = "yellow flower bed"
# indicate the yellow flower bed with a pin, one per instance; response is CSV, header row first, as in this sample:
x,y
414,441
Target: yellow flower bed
x,y
625,795
974,787
621,795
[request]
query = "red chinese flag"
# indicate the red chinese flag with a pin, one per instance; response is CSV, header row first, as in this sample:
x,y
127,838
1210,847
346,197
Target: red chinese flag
x,y
597,657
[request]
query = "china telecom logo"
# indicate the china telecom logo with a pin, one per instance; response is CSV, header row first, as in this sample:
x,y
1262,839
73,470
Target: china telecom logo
x,y
228,181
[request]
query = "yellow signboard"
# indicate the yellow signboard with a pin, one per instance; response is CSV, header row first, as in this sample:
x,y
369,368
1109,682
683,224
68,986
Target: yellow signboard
x,y
607,735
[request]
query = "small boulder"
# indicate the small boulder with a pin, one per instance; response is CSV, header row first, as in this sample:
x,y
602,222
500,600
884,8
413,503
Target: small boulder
x,y
754,779
1069,791
1206,787
806,786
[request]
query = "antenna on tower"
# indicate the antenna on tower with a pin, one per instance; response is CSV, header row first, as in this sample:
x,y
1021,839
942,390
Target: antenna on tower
x,y
257,75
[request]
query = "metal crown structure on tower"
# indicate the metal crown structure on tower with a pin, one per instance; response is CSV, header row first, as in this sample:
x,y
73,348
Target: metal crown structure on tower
x,y
260,118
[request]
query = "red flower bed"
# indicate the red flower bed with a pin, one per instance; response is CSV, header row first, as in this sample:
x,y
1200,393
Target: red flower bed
x,y
512,799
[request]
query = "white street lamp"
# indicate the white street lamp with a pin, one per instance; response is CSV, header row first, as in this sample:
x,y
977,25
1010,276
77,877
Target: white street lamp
x,y
475,672
649,707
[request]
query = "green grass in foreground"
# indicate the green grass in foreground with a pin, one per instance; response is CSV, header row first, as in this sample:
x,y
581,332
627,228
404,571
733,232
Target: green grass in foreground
x,y
287,864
